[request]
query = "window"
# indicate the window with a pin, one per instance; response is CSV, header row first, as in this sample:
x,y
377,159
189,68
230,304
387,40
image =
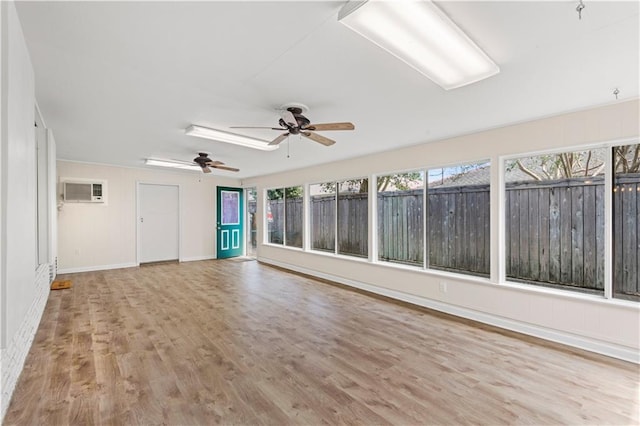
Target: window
x,y
252,223
554,218
339,214
353,217
626,222
322,214
284,216
293,216
458,217
275,216
401,218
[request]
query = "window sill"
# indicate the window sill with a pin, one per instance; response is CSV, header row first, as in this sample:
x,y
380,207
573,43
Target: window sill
x,y
569,294
282,246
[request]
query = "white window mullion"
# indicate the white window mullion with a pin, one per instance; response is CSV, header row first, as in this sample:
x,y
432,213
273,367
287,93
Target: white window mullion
x,y
498,223
608,224
306,218
373,219
284,216
335,222
425,219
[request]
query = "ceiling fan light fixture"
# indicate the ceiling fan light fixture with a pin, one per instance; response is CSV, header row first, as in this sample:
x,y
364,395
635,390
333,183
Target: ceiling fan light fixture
x,y
228,137
423,36
175,164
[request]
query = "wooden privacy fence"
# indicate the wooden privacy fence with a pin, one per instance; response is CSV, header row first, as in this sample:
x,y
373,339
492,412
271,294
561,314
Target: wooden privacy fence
x,y
457,228
626,233
555,232
293,222
554,229
353,238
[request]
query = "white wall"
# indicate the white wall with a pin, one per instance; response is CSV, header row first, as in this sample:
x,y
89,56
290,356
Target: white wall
x,y
24,284
591,322
103,236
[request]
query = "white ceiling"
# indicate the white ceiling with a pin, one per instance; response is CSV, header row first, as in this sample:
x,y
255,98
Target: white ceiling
x,y
119,82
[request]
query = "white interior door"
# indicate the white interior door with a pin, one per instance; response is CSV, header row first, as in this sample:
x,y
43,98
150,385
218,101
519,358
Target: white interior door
x,y
158,222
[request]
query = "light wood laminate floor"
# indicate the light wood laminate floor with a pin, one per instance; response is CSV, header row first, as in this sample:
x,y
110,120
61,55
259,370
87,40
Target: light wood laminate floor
x,y
238,342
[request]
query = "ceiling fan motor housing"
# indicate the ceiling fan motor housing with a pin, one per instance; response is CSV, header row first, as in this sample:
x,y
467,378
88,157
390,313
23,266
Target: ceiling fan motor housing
x,y
202,159
301,120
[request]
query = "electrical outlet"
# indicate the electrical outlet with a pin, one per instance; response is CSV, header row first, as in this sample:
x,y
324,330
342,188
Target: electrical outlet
x,y
443,286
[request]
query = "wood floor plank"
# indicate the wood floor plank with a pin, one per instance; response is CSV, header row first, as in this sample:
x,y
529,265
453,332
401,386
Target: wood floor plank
x,y
231,342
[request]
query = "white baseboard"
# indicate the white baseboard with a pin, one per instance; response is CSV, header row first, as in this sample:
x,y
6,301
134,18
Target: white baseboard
x,y
96,268
581,342
12,358
197,258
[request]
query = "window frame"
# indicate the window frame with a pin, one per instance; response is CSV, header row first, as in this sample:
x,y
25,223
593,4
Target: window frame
x,y
309,222
265,221
608,146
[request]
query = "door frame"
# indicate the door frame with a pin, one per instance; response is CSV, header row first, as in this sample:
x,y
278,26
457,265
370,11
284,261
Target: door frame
x,y
242,218
139,183
247,224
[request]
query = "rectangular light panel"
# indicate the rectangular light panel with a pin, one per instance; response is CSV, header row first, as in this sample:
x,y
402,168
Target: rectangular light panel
x,y
175,164
420,34
228,137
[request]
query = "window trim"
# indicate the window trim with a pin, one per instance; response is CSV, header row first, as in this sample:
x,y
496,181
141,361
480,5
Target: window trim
x,y
265,236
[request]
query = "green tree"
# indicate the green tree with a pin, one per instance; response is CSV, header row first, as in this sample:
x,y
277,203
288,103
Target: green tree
x,y
279,193
401,182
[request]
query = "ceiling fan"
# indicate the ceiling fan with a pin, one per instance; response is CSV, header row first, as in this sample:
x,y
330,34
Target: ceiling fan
x,y
206,163
294,123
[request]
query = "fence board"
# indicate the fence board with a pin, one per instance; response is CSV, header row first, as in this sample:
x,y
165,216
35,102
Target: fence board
x,y
513,228
554,235
629,233
577,236
565,235
590,240
523,233
635,289
543,243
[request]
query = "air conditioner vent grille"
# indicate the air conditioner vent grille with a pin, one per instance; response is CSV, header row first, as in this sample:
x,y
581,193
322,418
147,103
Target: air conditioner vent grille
x,y
83,192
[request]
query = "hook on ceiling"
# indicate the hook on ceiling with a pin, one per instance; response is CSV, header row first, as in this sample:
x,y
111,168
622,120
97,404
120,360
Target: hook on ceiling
x,y
579,9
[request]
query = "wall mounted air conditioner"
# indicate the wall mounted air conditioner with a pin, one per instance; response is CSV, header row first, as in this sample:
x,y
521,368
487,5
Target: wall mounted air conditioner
x,y
83,192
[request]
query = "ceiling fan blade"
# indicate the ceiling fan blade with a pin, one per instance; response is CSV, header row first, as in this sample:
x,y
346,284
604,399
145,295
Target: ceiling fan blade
x,y
279,139
289,118
231,169
331,126
206,169
318,138
214,163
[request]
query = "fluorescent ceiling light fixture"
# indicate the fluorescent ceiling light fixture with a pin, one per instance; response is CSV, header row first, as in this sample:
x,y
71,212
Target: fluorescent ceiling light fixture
x,y
175,164
420,34
228,137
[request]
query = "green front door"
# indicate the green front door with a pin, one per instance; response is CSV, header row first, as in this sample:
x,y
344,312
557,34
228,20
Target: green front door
x,y
230,229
